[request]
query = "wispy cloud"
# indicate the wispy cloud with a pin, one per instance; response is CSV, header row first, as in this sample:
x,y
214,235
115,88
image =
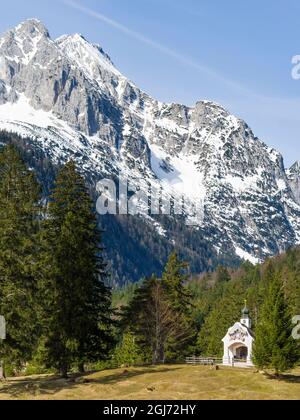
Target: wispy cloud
x,y
162,48
285,110
237,87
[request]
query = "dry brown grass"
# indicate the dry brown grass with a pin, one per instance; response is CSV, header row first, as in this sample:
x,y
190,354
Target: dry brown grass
x,y
162,382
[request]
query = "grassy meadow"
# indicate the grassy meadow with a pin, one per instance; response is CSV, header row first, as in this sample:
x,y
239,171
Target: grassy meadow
x,y
157,383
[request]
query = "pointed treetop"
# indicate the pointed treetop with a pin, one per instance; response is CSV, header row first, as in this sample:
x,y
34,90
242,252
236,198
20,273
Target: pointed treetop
x,y
245,311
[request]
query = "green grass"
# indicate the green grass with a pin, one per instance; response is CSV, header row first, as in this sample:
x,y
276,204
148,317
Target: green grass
x,y
162,382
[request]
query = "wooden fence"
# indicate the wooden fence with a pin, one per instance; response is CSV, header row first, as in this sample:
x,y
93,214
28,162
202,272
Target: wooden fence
x,y
205,361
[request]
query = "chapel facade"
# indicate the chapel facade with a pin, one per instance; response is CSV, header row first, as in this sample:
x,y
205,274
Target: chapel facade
x,y
238,342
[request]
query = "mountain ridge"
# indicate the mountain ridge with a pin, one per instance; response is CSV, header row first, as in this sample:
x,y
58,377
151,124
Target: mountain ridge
x,y
67,95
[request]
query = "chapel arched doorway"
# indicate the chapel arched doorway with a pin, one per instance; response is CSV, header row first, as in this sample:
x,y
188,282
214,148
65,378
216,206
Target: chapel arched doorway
x,y
241,354
238,352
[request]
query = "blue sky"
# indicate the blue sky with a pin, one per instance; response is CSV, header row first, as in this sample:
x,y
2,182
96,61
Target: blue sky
x,y
235,52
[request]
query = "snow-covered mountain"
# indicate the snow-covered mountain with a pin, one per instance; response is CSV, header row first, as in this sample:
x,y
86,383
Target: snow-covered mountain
x,y
68,97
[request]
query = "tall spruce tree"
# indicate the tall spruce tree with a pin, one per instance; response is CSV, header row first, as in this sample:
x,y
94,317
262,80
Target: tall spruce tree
x,y
174,281
19,248
274,346
77,304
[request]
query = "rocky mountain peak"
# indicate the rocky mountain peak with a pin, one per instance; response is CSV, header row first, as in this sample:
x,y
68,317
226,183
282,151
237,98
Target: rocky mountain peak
x,y
293,175
32,27
88,56
295,168
20,44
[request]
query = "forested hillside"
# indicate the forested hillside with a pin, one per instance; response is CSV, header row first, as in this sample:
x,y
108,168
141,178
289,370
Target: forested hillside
x,y
218,297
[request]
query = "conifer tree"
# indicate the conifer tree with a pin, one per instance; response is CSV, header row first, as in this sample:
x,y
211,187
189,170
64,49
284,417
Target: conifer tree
x,y
274,346
225,312
19,226
77,304
291,276
128,352
174,281
222,275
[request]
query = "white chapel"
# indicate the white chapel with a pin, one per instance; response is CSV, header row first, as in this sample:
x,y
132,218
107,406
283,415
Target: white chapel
x,y
238,342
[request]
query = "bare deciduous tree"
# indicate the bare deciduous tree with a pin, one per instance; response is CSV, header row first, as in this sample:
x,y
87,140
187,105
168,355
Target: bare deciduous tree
x,y
156,322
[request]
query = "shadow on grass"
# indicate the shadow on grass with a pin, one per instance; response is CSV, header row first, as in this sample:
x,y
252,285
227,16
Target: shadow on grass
x,y
125,375
49,386
292,379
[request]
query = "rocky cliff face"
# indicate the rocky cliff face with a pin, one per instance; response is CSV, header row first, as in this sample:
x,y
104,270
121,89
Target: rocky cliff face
x,y
68,97
294,180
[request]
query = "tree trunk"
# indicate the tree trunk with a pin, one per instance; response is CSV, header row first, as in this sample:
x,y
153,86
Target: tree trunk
x,y
162,354
155,355
2,372
64,372
81,367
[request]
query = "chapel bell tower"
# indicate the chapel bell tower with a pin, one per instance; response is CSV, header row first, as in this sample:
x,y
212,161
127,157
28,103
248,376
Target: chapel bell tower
x,y
246,320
